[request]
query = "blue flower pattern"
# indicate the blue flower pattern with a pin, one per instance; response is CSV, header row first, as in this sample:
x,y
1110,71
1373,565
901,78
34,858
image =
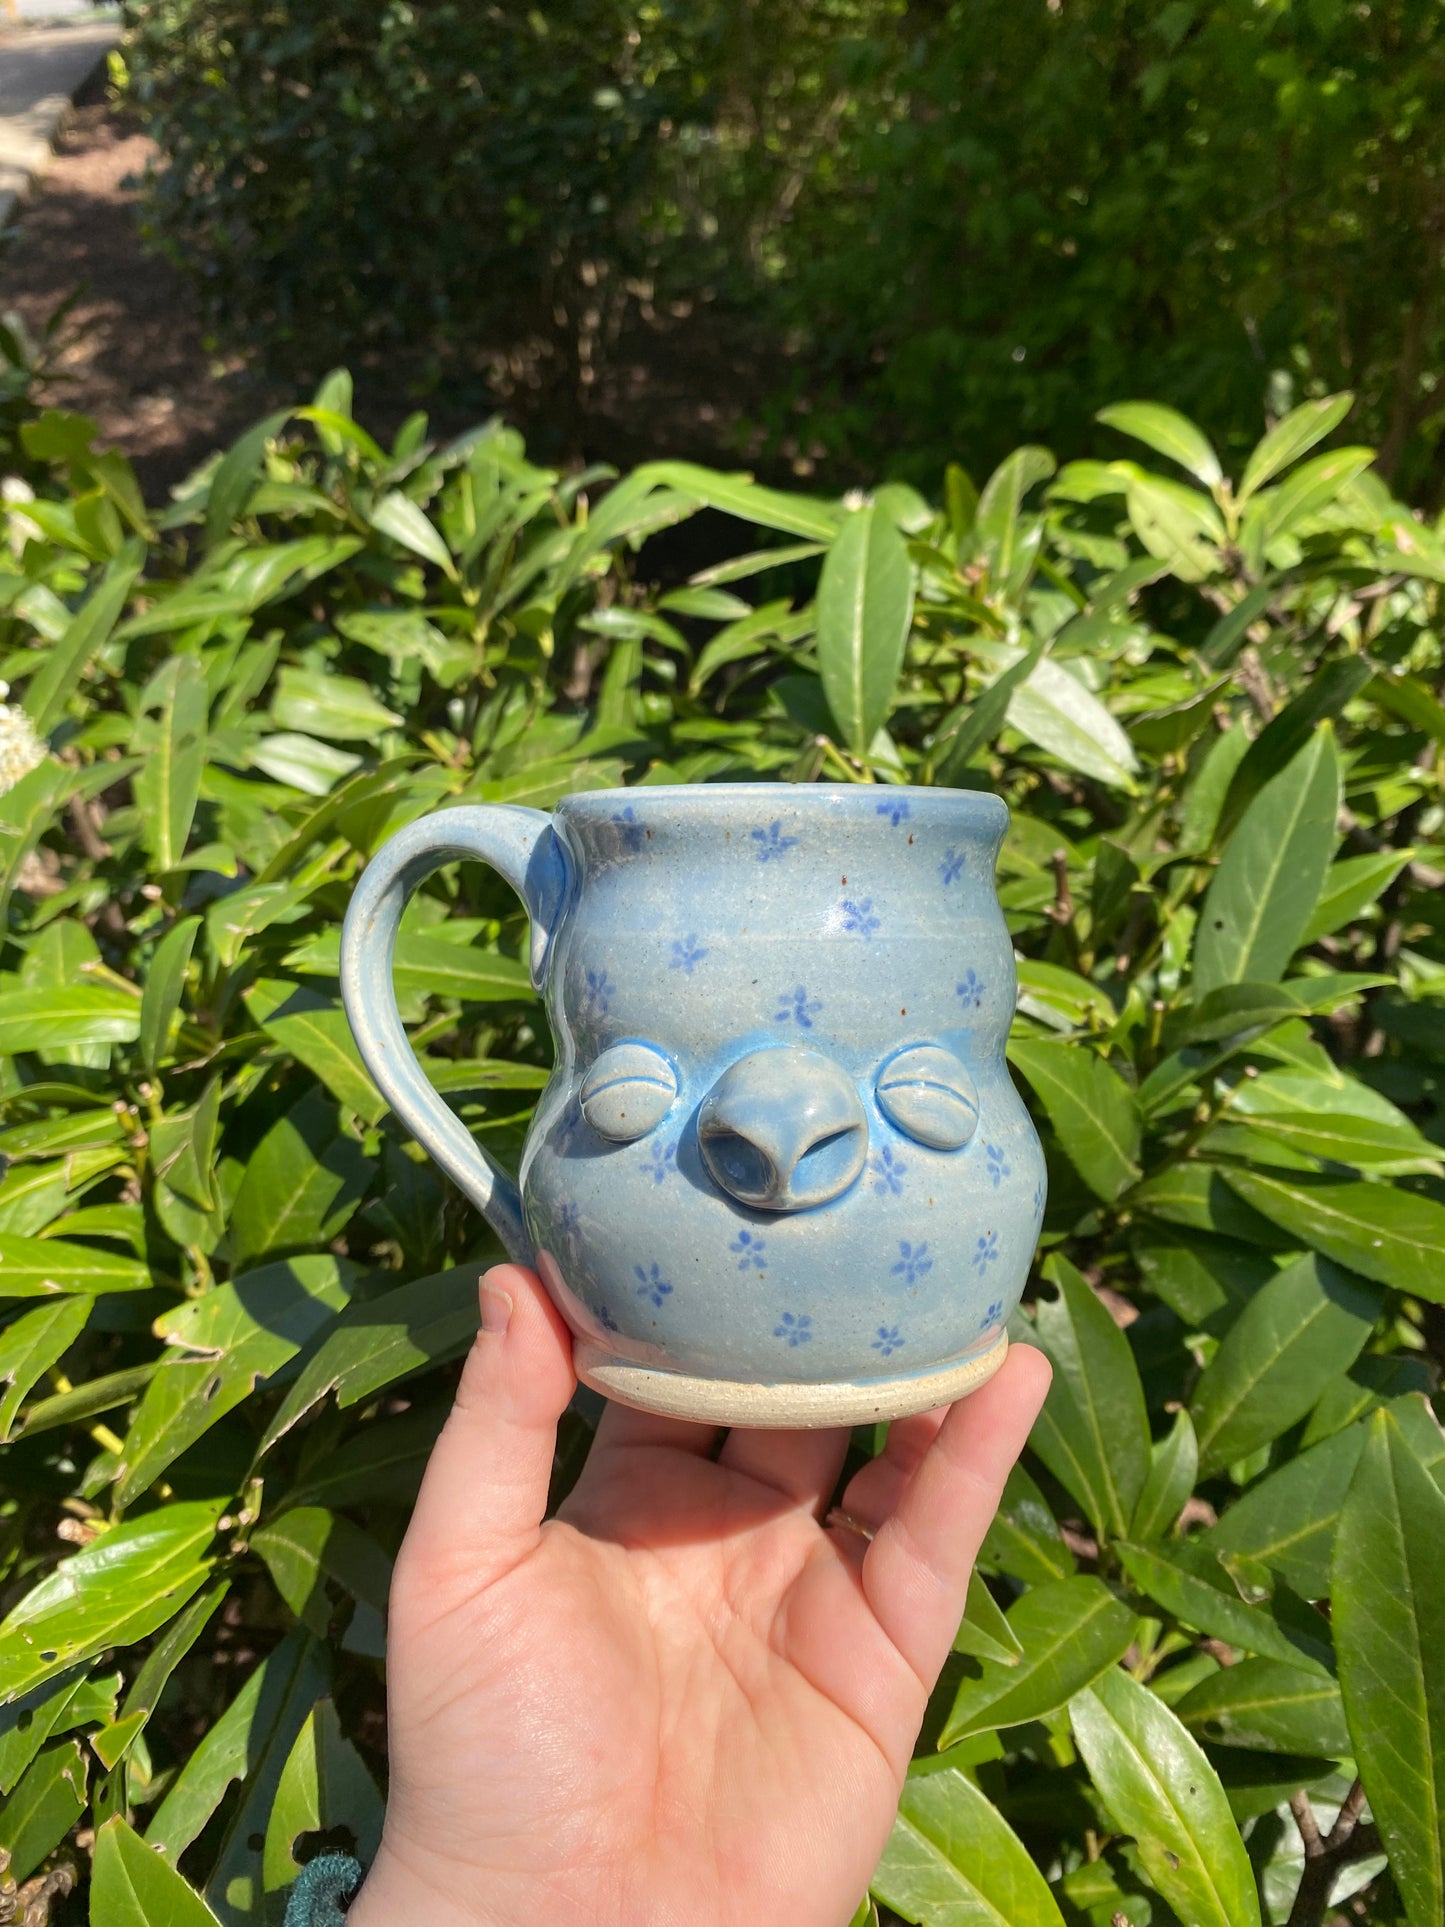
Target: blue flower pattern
x,y
1039,1198
661,1158
795,1327
653,1285
687,953
888,1341
971,990
993,1314
606,1320
859,917
569,1220
633,831
795,1006
597,994
913,1261
998,1165
772,843
751,1249
985,1252
888,1170
896,809
951,868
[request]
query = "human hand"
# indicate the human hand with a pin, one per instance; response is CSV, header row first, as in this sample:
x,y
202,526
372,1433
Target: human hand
x,y
683,1702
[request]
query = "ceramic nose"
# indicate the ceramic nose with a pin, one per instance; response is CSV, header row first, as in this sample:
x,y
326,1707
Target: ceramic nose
x,y
783,1129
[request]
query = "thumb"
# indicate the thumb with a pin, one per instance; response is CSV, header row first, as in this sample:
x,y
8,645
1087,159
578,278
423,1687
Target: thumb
x,y
482,1500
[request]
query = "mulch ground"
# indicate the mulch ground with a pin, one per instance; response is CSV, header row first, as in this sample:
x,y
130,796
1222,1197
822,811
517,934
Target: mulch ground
x,y
139,363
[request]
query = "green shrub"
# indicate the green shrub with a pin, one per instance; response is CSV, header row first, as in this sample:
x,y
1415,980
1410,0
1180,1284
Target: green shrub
x,y
234,1293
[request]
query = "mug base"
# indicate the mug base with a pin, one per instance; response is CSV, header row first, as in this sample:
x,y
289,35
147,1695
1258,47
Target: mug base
x,y
731,1401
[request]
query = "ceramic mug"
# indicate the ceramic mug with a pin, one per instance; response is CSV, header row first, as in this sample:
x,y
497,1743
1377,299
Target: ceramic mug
x,y
780,1175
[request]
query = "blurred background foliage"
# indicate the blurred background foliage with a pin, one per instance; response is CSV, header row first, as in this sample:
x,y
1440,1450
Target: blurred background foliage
x,y
938,227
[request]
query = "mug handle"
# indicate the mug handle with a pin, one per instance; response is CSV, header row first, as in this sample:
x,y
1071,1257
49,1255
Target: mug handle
x,y
522,845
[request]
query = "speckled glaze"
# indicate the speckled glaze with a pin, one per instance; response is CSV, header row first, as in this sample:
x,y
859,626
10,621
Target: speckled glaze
x,y
780,1174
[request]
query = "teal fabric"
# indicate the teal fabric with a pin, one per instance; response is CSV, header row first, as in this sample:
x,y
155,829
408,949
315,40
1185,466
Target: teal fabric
x,y
324,1891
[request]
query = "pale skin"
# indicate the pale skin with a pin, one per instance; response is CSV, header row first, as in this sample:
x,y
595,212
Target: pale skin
x,y
685,1701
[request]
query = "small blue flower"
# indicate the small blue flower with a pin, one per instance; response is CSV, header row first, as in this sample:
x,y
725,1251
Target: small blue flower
x,y
661,1158
998,1165
859,917
985,1252
772,841
913,1261
653,1285
796,1007
993,1314
951,868
596,998
569,1218
752,1248
896,809
1039,1199
888,1340
606,1320
888,1169
687,953
795,1328
971,990
634,833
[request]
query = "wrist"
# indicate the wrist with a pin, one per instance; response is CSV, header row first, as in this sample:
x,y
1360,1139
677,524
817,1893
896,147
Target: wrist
x,y
393,1894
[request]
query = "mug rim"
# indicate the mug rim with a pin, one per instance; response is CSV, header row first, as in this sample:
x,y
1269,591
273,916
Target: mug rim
x,y
986,801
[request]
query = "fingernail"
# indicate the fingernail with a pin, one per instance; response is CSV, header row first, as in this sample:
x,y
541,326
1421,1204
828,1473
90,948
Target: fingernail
x,y
496,1308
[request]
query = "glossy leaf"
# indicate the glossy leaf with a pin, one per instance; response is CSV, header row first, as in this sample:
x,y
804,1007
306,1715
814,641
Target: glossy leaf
x,y
1297,1334
1395,1237
1389,1616
323,1785
30,1346
985,1631
1268,883
399,517
301,1185
315,1031
83,1014
1188,1580
1069,1632
1292,436
1052,708
1093,1433
1270,1706
45,1267
1092,1109
952,1861
997,529
1167,431
1157,1785
65,662
1173,1469
1023,1539
165,984
132,1886
121,1587
865,605
172,747
43,1808
308,1552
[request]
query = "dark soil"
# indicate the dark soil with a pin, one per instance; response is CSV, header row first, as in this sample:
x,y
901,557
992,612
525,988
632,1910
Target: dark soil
x,y
140,364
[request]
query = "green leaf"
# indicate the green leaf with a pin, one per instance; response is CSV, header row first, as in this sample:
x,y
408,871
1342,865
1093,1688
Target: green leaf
x,y
30,1346
118,1736
119,1588
1389,1617
1324,698
131,1885
1307,491
1177,524
1052,708
315,1031
1188,1580
741,496
1350,887
973,725
1024,1538
1264,892
1070,1632
49,689
47,1803
1092,1109
171,744
244,1332
1395,1237
164,987
83,1014
953,1861
26,1723
321,703
985,1631
1168,433
864,609
307,1550
249,1742
1173,1469
1268,1706
997,531
27,810
302,762
44,1267
1202,1279
399,517
323,1785
302,1183
1093,1432
383,1340
236,476
1297,1334
428,966
1158,1786
1229,634
1292,437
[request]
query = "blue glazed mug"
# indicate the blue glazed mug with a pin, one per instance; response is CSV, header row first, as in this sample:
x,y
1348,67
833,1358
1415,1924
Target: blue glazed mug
x,y
780,1175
